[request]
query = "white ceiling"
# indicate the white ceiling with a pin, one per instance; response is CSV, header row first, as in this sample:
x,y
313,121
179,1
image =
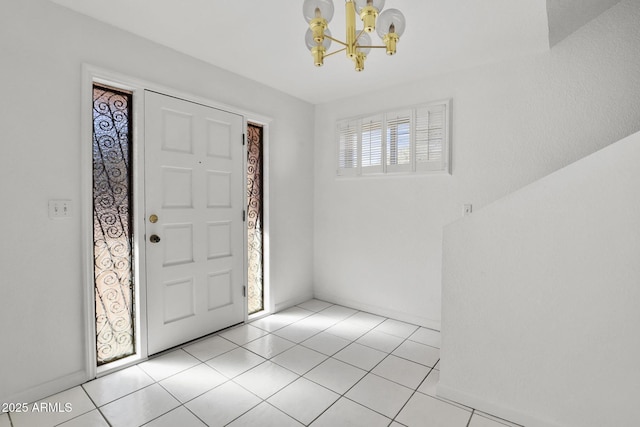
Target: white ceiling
x,y
264,40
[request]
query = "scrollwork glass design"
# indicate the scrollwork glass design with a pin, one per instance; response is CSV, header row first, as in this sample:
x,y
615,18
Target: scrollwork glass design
x,y
254,218
112,224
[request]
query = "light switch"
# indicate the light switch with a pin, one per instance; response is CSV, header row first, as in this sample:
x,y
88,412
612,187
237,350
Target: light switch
x,y
59,209
467,209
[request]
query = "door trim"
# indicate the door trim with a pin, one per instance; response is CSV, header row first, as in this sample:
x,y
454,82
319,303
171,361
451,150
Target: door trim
x,y
90,75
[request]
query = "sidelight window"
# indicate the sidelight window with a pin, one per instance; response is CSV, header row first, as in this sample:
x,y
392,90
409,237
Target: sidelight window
x,y
112,224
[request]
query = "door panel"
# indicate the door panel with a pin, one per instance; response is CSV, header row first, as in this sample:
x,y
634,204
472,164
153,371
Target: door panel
x,y
194,184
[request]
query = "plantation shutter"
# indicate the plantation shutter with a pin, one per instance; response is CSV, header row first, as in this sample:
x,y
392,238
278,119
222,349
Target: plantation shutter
x,y
371,143
431,136
348,148
411,139
398,141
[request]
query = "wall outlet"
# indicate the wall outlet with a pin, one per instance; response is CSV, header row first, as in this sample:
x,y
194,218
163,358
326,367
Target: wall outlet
x,y
467,209
59,209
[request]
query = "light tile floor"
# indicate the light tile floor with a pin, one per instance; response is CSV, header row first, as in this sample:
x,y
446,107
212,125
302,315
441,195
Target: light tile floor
x,y
315,364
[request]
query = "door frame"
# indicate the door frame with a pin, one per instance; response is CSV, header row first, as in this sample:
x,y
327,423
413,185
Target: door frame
x,y
90,75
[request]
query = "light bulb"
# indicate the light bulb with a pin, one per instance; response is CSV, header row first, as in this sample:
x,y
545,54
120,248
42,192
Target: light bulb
x,y
311,43
364,40
318,51
311,9
378,4
391,21
368,10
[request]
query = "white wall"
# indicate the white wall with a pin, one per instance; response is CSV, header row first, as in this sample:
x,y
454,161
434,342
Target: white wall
x,y
377,242
566,16
540,298
42,47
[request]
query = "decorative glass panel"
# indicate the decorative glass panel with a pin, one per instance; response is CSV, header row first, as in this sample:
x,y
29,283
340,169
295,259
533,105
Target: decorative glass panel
x,y
112,224
254,218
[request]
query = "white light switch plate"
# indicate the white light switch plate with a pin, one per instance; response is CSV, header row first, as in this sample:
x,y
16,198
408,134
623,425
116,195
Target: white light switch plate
x,y
59,209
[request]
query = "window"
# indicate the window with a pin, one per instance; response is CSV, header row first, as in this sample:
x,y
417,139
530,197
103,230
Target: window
x,y
403,141
113,224
255,214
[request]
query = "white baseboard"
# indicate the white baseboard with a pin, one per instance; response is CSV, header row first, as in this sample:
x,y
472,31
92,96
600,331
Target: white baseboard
x,y
494,409
291,302
47,389
380,311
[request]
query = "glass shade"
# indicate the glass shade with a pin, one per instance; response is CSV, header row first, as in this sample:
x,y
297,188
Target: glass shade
x,y
311,43
391,17
378,4
325,6
364,40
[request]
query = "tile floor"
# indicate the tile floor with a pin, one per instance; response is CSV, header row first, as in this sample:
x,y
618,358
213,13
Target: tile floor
x,y
315,364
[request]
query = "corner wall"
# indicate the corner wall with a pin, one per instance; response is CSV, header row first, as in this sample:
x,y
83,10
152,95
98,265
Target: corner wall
x,y
378,241
540,298
42,48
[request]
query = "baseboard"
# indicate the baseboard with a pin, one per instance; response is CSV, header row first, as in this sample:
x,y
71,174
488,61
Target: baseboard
x,y
380,311
291,302
492,408
47,389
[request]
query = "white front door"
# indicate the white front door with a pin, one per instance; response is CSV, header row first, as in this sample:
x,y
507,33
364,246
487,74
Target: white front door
x,y
194,185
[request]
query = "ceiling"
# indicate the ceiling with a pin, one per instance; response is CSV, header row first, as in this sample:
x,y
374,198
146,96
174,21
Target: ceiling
x,y
264,40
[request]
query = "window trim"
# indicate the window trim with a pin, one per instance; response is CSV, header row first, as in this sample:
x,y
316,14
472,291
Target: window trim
x,y
443,166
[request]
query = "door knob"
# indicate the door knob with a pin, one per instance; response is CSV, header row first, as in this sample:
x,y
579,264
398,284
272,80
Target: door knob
x,y
154,238
153,218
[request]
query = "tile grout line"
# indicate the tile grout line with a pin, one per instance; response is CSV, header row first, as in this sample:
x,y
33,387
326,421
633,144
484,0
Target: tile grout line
x,y
328,316
414,391
124,395
94,404
418,386
193,413
473,411
99,408
300,344
228,380
259,397
183,404
344,395
370,371
329,357
280,410
11,421
253,367
310,380
207,337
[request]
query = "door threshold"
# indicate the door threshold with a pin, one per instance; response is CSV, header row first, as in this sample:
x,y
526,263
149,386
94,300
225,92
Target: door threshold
x,y
118,365
258,315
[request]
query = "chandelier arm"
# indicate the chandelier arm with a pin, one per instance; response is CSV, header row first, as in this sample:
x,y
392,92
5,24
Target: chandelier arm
x,y
389,25
334,52
336,40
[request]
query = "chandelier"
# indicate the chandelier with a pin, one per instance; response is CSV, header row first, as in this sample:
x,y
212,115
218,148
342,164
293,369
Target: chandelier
x,y
390,25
